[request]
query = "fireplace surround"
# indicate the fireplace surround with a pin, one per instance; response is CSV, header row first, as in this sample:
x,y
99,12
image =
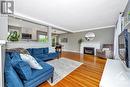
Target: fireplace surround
x,y
95,45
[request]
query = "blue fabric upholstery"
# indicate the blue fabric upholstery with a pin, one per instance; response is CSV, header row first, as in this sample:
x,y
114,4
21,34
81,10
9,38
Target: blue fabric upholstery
x,y
46,67
30,51
40,56
37,75
38,60
45,50
42,53
53,55
15,58
11,77
23,69
37,51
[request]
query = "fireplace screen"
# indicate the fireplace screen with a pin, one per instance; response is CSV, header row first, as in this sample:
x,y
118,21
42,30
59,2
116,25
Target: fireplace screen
x,y
89,50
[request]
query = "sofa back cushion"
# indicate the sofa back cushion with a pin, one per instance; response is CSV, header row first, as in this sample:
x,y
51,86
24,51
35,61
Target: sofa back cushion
x,y
23,69
11,77
37,51
15,58
30,50
45,50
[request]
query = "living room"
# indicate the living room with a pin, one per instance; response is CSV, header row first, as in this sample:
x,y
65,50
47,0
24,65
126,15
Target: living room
x,y
64,43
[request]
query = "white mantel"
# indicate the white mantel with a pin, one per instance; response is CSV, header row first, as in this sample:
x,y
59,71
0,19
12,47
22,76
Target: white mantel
x,y
2,57
95,45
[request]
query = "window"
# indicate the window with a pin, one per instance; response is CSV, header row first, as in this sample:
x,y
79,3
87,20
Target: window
x,y
54,39
42,36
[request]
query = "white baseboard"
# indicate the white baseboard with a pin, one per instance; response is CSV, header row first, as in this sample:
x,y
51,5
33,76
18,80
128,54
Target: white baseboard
x,y
71,51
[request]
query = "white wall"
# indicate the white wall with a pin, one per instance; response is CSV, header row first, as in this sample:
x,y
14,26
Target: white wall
x,y
32,31
3,27
2,59
25,44
104,36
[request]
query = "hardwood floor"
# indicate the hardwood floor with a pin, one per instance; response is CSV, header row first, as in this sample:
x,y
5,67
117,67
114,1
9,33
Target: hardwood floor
x,y
87,75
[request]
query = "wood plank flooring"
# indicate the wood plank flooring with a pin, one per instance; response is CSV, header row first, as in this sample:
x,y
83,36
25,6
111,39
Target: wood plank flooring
x,y
87,75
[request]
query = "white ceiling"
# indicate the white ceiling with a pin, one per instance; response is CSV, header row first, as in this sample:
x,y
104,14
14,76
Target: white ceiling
x,y
28,25
72,15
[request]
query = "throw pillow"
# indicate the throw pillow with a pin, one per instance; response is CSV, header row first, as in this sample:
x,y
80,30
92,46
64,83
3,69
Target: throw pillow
x,y
31,61
51,50
19,50
104,49
23,51
23,69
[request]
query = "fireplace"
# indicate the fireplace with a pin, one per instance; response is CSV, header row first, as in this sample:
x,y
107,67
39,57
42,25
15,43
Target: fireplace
x,y
89,50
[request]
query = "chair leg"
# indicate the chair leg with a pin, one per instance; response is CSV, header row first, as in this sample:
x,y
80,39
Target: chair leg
x,y
52,79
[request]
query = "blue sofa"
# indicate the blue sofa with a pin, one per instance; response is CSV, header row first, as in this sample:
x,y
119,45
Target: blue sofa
x,y
43,53
14,68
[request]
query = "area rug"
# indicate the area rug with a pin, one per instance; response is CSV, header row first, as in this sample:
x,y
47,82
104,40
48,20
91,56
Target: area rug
x,y
62,67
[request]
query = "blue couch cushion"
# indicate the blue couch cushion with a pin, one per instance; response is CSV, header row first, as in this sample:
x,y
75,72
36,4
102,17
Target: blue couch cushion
x,y
38,60
47,71
11,77
37,51
15,58
30,50
36,72
40,56
46,50
53,55
42,53
23,69
7,60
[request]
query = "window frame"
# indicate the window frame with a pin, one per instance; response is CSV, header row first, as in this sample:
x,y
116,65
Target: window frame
x,y
41,33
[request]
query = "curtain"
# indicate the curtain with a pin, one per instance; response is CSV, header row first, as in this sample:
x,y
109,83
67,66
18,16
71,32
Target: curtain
x,y
117,32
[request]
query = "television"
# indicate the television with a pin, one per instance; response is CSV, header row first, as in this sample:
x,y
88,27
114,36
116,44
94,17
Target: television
x,y
26,36
124,47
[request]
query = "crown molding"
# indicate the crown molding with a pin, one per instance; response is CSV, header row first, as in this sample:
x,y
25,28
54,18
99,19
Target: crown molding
x,y
90,29
25,17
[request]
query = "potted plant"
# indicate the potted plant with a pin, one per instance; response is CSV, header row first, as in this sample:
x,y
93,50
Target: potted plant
x,y
13,36
80,41
128,15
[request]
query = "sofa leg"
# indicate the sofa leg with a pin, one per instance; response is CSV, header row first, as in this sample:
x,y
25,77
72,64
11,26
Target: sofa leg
x,y
57,57
52,79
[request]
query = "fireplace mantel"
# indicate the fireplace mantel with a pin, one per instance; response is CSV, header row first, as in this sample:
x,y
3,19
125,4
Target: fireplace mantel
x,y
95,45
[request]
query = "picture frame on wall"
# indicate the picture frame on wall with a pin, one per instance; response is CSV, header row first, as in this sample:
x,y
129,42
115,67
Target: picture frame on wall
x,y
64,40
